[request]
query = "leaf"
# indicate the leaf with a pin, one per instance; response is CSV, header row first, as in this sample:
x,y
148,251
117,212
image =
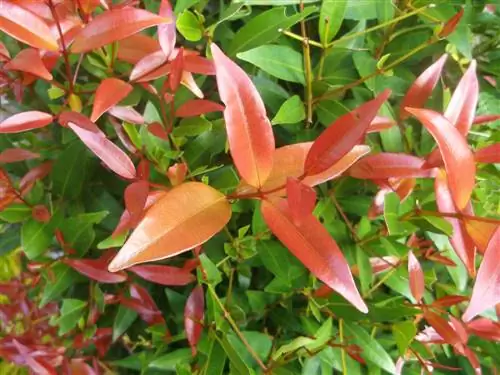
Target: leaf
x,y
282,62
136,195
127,114
312,245
341,136
289,162
488,154
28,61
458,158
443,328
109,92
13,155
249,131
279,261
25,121
301,199
66,278
196,107
96,269
486,293
166,32
480,232
194,313
330,19
189,26
163,275
290,112
123,320
167,362
70,171
191,127
260,342
265,28
389,165
110,154
404,332
422,88
167,227
35,238
372,350
112,26
71,311
450,25
417,283
26,27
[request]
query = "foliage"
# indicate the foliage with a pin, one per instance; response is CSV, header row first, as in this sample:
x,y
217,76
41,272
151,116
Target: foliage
x,y
315,182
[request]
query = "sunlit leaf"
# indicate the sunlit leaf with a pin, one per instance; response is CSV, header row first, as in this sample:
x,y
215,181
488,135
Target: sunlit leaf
x,y
109,92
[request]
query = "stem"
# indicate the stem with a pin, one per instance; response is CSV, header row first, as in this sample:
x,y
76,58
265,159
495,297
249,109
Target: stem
x,y
298,37
344,359
235,328
307,69
380,282
323,51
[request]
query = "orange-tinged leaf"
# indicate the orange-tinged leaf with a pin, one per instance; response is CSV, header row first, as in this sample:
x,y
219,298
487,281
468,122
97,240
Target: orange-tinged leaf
x,y
451,24
448,301
389,165
486,291
26,27
194,313
199,65
196,107
110,92
422,88
177,173
40,213
315,248
402,187
187,80
460,240
176,66
112,26
443,328
488,154
164,275
301,199
380,123
480,232
249,131
135,47
12,155
379,264
289,162
25,121
457,156
183,218
136,195
417,283
341,136
166,32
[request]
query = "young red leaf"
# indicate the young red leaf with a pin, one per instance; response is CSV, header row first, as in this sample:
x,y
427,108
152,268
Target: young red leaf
x,y
143,304
444,329
135,47
4,53
176,67
249,131
158,130
484,119
127,114
37,173
29,61
26,27
166,32
451,24
488,154
422,88
389,165
198,107
458,158
460,241
341,136
448,301
40,213
114,25
177,173
380,123
164,275
25,121
402,187
315,248
199,65
96,269
301,199
194,313
110,92
485,328
486,291
12,155
135,196
379,264
183,218
480,232
417,283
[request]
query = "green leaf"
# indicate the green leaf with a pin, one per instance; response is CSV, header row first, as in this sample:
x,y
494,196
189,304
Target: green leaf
x,y
265,28
330,19
282,62
277,259
404,332
189,26
71,312
64,278
168,361
9,240
260,343
234,356
364,269
113,241
193,126
78,231
15,213
372,350
123,320
35,238
291,112
216,359
70,170
292,346
385,10
391,215
213,275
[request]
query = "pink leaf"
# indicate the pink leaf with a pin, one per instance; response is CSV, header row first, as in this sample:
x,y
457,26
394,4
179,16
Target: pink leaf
x,y
166,32
198,107
25,121
417,283
301,199
194,313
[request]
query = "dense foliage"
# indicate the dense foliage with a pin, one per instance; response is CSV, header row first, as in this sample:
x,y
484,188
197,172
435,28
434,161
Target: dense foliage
x,y
260,187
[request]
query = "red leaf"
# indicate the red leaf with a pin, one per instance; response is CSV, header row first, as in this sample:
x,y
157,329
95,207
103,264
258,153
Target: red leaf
x,y
444,329
249,131
451,24
417,283
489,154
422,88
4,53
29,61
112,156
26,27
198,107
110,92
341,136
389,165
315,248
380,123
41,213
12,155
199,65
144,305
164,275
166,32
37,173
194,313
485,328
127,114
177,173
484,119
460,241
174,79
112,26
96,269
448,301
301,199
158,131
486,291
25,121
458,158
135,196
136,47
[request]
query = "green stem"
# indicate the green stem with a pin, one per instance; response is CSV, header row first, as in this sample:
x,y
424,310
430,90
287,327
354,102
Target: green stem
x,y
343,354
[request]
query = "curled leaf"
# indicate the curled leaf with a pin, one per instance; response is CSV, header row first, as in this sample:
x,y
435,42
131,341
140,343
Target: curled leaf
x,y
450,25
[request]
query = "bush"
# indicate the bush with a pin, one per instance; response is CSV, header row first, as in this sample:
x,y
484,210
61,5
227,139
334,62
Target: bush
x,y
315,183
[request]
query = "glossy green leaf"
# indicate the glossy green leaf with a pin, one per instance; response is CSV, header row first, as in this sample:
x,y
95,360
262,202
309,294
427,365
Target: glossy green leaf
x,y
189,26
167,362
404,333
70,170
191,127
330,18
123,320
71,312
36,238
290,112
